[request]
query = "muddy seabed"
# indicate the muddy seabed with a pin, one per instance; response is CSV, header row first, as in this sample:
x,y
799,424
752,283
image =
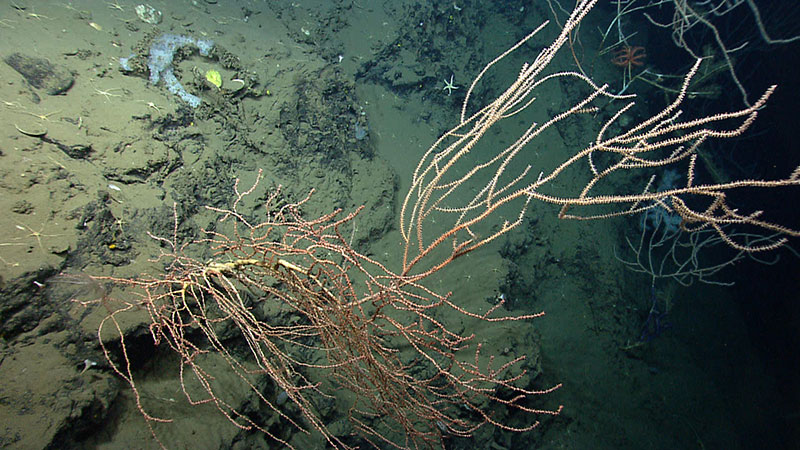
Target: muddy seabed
x,y
329,95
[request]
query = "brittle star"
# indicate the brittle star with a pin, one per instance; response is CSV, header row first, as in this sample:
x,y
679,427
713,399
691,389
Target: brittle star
x,y
108,94
115,5
151,105
449,86
42,117
37,234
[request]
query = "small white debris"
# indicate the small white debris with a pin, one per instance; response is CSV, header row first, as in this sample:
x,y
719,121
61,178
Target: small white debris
x,y
87,364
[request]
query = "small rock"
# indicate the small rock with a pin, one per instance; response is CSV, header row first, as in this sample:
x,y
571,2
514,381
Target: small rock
x,y
22,207
148,14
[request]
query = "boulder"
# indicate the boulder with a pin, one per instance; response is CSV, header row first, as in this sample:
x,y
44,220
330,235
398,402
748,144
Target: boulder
x,y
41,73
